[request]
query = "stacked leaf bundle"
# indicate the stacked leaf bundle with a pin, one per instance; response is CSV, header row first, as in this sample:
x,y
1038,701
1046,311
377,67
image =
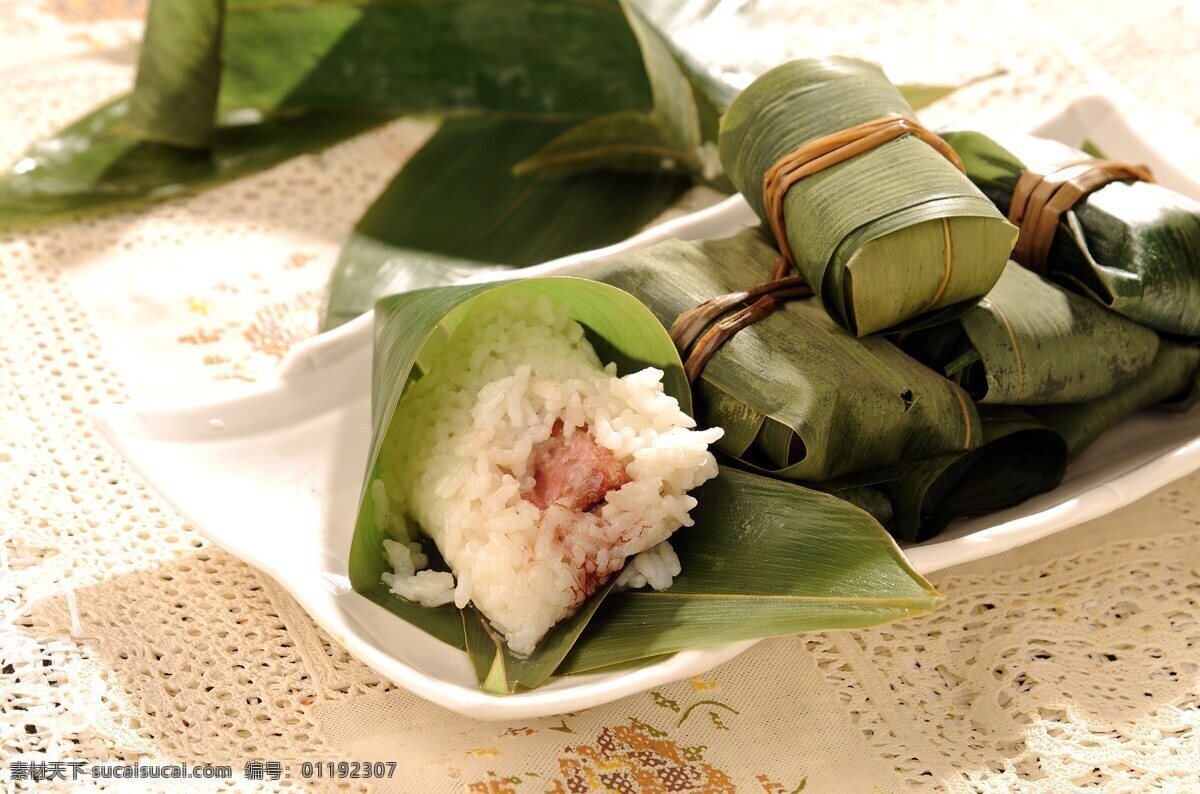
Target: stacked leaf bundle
x,y
1041,371
959,419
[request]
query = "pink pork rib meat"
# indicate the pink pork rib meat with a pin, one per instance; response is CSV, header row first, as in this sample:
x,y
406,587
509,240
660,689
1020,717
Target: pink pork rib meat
x,y
573,471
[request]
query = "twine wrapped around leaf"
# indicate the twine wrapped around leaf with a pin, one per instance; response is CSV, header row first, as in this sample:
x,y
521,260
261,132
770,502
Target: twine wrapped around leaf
x,y
810,158
1130,244
829,150
1039,201
689,327
865,204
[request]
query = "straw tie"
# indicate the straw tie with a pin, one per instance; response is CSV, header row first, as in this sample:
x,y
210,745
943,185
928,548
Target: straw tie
x,y
827,151
1039,201
758,302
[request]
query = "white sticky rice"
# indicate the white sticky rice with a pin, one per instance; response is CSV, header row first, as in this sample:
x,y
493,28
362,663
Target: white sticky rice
x,y
459,464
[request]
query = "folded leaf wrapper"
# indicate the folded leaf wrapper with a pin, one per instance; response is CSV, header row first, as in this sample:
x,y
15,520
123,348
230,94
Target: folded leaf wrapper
x,y
1017,457
228,87
763,557
892,238
1170,379
798,396
546,58
1132,246
1030,342
1023,452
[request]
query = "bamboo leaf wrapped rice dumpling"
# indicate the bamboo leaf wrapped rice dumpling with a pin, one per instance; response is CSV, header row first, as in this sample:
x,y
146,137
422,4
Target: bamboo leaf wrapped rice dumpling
x,y
891,238
1132,246
762,558
1030,342
534,469
1018,457
1024,452
798,396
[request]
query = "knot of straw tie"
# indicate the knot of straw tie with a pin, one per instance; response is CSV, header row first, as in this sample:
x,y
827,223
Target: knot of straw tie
x,y
809,159
1039,200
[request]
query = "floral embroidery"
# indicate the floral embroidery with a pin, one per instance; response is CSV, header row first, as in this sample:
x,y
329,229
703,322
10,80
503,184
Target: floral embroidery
x,y
203,336
635,758
629,760
641,726
665,702
495,785
771,787
716,718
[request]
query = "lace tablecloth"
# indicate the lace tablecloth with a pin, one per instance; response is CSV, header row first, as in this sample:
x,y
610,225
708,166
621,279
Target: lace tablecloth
x,y
125,636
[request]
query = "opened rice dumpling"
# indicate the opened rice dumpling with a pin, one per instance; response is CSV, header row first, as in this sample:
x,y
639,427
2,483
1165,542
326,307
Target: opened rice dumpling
x,y
535,469
889,237
798,396
1030,342
1132,245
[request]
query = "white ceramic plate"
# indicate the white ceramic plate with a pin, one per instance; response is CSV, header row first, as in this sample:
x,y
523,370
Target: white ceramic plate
x,y
274,478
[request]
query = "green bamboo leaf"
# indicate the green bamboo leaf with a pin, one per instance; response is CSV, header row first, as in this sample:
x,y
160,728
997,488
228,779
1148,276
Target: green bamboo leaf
x,y
274,65
1133,247
798,396
1090,148
1172,376
179,73
764,558
1030,342
665,138
1018,457
500,671
544,58
456,209
98,161
1187,398
894,238
1024,452
409,329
